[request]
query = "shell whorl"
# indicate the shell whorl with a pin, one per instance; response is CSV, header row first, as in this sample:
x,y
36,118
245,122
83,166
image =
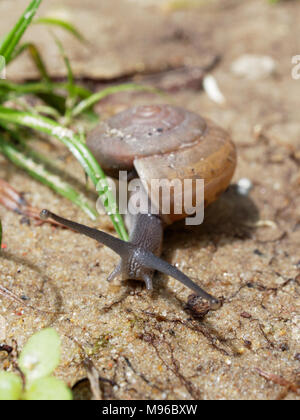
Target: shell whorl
x,y
143,131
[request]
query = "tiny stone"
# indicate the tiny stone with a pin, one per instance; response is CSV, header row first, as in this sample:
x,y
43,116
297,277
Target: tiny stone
x,y
246,315
198,306
258,252
253,66
212,89
5,347
284,347
244,186
247,343
297,357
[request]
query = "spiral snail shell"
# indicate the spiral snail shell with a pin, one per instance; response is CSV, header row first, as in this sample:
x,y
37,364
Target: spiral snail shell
x,y
166,142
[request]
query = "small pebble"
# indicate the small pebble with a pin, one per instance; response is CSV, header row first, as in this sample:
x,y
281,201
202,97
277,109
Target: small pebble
x,y
244,186
253,67
247,344
258,252
6,348
284,347
197,306
246,315
212,90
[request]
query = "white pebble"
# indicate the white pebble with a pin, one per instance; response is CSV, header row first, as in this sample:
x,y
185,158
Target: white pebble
x,y
253,66
244,186
212,89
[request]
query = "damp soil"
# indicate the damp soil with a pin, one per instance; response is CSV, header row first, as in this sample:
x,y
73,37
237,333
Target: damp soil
x,y
151,346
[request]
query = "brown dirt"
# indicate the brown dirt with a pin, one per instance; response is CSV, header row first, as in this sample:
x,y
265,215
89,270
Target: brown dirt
x,y
150,347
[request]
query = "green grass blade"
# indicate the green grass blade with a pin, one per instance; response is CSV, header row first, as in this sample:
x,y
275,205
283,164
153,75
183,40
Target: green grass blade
x,y
62,24
23,160
6,96
12,39
96,97
80,152
36,58
24,105
2,66
53,94
72,97
42,87
47,111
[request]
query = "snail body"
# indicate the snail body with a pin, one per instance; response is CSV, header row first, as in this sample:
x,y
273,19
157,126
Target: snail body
x,y
159,142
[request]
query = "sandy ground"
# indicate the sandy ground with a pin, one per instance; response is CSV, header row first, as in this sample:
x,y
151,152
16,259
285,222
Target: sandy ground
x,y
247,250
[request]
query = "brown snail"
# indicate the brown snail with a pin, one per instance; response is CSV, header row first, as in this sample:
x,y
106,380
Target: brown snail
x,y
162,142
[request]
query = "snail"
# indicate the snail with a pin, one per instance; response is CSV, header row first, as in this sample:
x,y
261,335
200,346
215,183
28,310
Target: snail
x,y
161,142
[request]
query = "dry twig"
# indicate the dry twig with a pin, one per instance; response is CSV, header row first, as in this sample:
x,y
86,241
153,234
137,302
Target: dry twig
x,y
279,380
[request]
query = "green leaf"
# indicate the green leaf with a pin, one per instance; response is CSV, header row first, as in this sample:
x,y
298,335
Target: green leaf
x,y
12,39
48,389
40,355
10,386
42,87
72,97
36,58
62,24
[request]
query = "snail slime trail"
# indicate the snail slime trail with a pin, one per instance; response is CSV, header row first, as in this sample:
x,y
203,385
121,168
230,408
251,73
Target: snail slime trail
x,y
171,146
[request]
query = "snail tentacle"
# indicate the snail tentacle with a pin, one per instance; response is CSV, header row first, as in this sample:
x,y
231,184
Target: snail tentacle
x,y
117,245
150,261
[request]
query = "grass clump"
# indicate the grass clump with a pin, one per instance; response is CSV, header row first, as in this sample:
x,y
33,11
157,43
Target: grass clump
x,y
58,106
